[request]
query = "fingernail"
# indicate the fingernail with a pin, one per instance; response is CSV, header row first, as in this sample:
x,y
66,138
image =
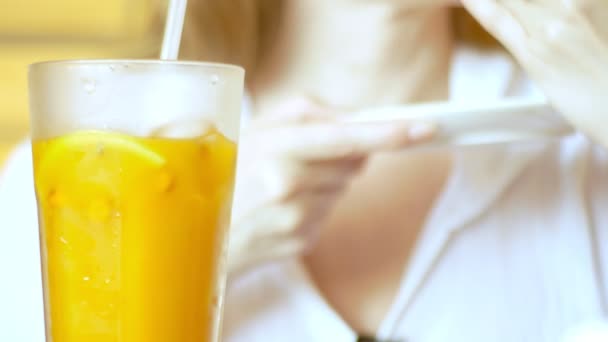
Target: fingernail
x,y
421,130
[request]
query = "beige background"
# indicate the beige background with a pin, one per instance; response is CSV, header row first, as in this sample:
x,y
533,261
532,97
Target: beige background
x,y
38,30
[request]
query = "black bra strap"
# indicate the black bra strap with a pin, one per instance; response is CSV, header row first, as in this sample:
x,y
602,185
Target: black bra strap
x,y
373,339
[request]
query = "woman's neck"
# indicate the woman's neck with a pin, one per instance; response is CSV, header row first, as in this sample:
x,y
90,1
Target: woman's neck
x,y
350,54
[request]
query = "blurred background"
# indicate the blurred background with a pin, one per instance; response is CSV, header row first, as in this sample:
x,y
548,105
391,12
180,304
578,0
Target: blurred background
x,y
39,30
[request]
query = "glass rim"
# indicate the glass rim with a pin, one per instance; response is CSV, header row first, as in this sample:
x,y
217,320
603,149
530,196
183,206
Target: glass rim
x,y
149,62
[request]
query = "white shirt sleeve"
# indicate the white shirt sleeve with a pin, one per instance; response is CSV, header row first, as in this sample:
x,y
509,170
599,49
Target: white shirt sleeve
x,y
21,311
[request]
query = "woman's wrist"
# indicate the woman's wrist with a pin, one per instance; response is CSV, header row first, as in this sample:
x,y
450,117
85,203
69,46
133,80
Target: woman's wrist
x,y
252,244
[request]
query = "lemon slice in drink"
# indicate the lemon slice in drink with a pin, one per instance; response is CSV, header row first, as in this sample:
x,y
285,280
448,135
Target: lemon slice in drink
x,y
85,140
91,156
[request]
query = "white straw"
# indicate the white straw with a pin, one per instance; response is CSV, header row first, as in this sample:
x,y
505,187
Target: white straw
x,y
173,29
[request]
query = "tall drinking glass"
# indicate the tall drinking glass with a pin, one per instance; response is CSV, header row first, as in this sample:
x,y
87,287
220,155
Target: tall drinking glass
x,y
134,166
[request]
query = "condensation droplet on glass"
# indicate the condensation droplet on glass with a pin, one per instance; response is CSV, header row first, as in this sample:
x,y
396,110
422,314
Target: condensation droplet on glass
x,y
55,198
86,278
215,79
165,182
111,67
107,281
100,149
63,240
116,215
89,85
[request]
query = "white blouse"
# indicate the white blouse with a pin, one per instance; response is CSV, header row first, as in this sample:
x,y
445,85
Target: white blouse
x,y
514,250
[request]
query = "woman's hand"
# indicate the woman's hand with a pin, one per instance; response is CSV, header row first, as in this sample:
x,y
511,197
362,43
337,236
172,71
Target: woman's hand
x,y
292,169
563,45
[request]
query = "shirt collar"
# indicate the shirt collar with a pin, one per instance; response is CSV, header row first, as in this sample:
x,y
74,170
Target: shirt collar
x,y
480,175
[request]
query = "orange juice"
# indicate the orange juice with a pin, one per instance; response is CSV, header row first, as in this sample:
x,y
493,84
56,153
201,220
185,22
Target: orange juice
x,y
132,235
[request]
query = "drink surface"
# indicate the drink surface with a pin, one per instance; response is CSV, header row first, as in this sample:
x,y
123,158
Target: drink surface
x,y
132,235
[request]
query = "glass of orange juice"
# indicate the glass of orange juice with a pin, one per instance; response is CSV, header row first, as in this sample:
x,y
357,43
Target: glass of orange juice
x,y
134,165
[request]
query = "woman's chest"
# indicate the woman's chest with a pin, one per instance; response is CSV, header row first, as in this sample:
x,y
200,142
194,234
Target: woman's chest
x,y
509,283
526,269
363,249
523,266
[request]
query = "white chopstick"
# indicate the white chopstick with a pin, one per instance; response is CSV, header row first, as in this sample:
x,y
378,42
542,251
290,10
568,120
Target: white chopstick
x,y
461,123
450,109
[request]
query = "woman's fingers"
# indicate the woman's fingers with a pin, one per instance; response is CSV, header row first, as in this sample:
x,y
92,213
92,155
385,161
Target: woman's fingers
x,y
282,181
276,226
304,129
498,20
560,44
322,142
555,40
297,110
324,176
312,158
524,24
295,167
289,159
